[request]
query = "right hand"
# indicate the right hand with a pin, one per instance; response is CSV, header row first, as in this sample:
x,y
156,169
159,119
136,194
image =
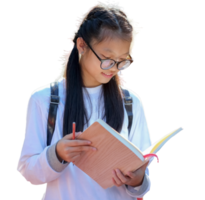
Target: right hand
x,y
68,149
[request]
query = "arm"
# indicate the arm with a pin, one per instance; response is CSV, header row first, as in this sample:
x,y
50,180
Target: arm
x,y
33,163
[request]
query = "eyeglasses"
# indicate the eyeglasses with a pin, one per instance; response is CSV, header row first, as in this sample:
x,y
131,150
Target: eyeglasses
x,y
109,63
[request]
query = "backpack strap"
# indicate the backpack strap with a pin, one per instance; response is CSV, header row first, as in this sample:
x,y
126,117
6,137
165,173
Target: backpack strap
x,y
128,106
54,101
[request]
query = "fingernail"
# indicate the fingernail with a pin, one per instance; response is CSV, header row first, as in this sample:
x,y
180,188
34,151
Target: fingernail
x,y
94,149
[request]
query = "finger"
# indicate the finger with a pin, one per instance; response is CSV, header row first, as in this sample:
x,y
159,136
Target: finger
x,y
80,148
118,185
117,180
113,180
72,156
74,143
121,176
130,174
75,157
144,166
70,136
139,170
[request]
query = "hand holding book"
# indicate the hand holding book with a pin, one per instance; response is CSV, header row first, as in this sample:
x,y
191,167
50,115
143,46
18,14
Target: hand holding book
x,y
69,150
133,179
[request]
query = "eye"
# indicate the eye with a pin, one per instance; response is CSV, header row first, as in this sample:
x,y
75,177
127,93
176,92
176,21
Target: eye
x,y
120,59
104,57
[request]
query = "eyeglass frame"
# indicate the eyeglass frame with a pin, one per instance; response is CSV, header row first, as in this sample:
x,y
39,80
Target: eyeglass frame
x,y
131,60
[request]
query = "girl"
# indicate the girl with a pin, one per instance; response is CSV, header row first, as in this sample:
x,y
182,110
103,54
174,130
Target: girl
x,y
90,89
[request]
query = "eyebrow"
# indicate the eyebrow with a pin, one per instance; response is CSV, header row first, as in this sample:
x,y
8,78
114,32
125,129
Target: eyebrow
x,y
108,50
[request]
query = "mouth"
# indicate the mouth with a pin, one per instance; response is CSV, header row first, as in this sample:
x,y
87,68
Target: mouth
x,y
107,75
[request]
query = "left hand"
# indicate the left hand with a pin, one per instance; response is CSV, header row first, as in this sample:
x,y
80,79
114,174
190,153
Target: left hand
x,y
133,179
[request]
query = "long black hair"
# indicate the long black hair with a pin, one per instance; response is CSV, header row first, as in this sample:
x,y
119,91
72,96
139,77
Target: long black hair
x,y
100,22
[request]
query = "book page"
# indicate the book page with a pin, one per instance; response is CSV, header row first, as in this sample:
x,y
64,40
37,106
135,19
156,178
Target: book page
x,y
154,148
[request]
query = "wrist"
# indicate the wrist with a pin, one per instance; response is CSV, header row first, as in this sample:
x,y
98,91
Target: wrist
x,y
59,158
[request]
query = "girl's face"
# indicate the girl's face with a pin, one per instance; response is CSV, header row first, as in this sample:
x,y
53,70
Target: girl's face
x,y
116,49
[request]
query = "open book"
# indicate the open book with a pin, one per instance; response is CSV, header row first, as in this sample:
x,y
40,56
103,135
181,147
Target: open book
x,y
113,151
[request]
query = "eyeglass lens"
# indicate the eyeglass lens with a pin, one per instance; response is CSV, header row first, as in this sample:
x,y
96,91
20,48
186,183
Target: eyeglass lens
x,y
107,64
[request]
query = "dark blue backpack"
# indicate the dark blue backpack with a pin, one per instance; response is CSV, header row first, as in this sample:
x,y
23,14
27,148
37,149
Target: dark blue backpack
x,y
54,101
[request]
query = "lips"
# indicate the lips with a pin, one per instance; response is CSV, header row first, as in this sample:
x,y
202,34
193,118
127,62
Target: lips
x,y
108,74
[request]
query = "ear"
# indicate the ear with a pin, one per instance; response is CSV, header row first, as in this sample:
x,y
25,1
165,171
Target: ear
x,y
81,45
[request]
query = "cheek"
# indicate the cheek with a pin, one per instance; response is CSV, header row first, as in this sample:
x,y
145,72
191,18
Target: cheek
x,y
92,66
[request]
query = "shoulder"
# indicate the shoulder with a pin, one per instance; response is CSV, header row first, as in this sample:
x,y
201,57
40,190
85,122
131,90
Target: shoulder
x,y
42,94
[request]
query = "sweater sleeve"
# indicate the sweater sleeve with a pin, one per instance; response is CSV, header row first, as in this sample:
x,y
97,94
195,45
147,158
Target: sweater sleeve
x,y
139,136
140,191
53,159
33,163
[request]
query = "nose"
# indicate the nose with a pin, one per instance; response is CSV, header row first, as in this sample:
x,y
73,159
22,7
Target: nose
x,y
114,68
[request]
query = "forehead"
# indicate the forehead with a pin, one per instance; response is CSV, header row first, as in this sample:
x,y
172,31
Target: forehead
x,y
112,46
